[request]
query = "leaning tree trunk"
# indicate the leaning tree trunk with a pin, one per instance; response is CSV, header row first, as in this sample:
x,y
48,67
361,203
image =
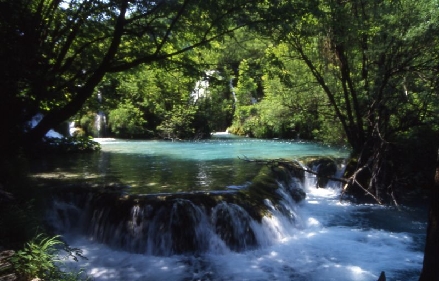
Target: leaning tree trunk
x,y
57,116
430,270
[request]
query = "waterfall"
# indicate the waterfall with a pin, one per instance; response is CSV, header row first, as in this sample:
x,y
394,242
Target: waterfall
x,y
232,89
174,227
100,125
258,227
100,122
254,232
201,89
167,224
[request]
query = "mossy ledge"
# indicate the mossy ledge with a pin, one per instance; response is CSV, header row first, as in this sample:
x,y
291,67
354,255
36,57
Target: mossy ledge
x,y
127,221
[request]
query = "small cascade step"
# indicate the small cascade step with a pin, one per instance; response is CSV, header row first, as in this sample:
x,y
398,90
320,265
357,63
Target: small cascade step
x,y
187,222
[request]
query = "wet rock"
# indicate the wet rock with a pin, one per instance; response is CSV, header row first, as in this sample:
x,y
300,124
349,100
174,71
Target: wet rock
x,y
297,193
177,223
233,225
185,223
5,267
382,276
325,169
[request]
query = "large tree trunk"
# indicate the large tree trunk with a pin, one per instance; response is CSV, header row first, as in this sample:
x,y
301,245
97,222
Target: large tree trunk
x,y
430,270
57,116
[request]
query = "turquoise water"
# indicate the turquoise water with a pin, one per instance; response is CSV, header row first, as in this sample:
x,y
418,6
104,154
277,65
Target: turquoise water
x,y
164,166
160,166
331,240
221,149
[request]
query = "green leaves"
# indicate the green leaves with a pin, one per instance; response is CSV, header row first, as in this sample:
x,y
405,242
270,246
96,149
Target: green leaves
x,y
40,258
65,48
37,258
126,120
178,123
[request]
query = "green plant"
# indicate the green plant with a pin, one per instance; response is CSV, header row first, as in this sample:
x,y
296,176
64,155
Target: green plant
x,y
40,259
70,145
127,120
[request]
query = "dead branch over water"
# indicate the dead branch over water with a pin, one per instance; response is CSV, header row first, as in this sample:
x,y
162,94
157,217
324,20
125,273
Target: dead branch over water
x,y
297,166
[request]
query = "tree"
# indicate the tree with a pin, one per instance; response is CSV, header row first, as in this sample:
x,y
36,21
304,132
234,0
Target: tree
x,y
277,96
73,44
150,91
178,123
126,120
377,64
292,101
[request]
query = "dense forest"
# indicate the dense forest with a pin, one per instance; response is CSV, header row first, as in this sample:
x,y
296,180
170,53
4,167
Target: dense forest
x,y
361,74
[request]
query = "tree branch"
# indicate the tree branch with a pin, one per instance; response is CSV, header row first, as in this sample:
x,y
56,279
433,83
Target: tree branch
x,y
296,165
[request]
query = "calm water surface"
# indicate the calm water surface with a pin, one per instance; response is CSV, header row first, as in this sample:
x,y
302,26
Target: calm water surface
x,y
163,166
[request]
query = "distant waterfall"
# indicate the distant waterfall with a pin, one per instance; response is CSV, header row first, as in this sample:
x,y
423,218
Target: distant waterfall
x,y
100,122
201,89
100,125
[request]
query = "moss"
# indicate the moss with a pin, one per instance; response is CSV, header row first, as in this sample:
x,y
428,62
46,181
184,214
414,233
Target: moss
x,y
175,217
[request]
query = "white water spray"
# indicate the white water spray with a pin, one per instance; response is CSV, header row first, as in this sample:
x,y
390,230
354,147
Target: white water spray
x,y
320,238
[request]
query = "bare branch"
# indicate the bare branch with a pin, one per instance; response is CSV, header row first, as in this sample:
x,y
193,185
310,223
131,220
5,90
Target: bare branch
x,y
297,166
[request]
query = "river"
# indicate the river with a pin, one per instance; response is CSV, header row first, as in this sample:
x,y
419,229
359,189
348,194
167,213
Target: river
x,y
329,239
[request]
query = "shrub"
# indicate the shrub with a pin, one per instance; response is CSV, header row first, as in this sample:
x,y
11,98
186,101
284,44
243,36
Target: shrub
x,y
70,145
40,259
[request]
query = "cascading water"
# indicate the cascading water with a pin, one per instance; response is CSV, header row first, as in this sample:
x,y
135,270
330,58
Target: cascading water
x,y
258,230
201,89
100,122
168,224
100,125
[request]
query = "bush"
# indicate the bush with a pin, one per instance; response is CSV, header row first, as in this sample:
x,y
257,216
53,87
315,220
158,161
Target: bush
x,y
127,120
40,259
70,144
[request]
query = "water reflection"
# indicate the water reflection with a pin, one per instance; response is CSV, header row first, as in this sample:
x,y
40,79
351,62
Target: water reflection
x,y
159,166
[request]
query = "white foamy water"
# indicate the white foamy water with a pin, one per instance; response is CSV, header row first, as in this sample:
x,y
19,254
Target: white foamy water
x,y
329,240
332,241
